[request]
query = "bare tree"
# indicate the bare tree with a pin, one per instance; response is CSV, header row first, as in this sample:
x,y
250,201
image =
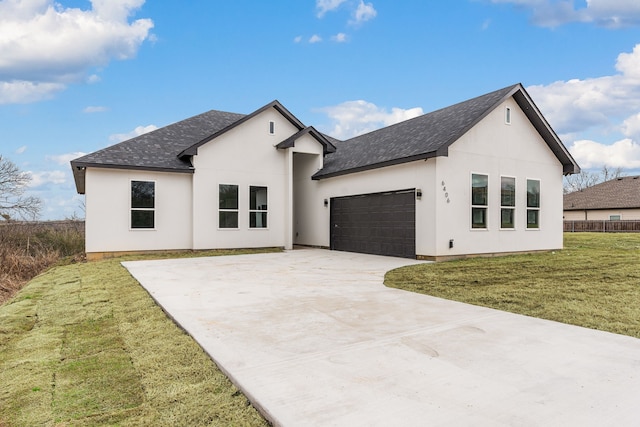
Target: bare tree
x,y
608,173
13,184
586,179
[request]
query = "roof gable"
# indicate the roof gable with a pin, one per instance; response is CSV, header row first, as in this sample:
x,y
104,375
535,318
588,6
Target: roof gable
x,y
327,145
618,193
193,149
430,135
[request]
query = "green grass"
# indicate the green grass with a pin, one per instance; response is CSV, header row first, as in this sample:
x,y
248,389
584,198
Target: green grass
x,y
85,345
594,282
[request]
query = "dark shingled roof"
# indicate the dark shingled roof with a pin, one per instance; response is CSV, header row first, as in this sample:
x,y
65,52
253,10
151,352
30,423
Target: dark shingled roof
x,y
159,149
431,134
170,148
619,193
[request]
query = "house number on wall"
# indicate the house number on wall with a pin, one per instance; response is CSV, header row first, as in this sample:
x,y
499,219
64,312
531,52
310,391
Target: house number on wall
x,y
446,194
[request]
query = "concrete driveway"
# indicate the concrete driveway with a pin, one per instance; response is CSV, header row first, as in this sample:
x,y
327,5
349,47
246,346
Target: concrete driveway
x,y
314,338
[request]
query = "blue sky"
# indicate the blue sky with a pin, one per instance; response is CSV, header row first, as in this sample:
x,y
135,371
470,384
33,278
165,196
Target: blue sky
x,y
78,75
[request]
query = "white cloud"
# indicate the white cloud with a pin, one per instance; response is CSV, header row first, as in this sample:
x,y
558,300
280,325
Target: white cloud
x,y
631,127
315,39
605,13
95,109
140,130
47,177
297,39
339,38
591,154
577,105
93,78
46,46
23,92
354,118
605,108
324,6
64,159
21,149
364,12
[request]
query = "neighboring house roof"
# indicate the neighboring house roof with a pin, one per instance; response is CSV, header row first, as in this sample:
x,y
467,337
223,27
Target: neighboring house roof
x,y
618,193
431,135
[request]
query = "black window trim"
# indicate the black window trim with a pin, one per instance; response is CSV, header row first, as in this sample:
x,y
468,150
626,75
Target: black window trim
x,y
476,206
258,210
236,210
132,209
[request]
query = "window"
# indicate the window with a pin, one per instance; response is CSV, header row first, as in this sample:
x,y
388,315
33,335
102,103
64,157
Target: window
x,y
507,115
272,127
615,217
257,207
507,202
479,200
227,206
533,203
143,201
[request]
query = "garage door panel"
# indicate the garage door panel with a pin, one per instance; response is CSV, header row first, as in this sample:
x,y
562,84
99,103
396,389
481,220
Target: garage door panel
x,y
381,224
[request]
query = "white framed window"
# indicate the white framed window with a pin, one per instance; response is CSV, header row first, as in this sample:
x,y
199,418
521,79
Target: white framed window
x,y
228,206
143,204
257,207
507,115
507,202
533,203
615,217
479,200
272,127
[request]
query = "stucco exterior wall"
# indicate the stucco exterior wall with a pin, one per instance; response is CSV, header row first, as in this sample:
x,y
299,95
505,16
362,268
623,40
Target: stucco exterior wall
x,y
244,156
492,148
187,205
108,211
602,215
497,149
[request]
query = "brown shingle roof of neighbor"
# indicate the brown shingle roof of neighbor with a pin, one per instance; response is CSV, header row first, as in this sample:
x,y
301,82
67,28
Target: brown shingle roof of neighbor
x,y
430,135
618,193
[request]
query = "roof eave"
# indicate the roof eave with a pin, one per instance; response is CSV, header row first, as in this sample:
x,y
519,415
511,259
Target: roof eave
x,y
424,156
79,170
526,104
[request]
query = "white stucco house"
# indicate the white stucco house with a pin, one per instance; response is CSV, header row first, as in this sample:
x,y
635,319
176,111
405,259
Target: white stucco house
x,y
481,177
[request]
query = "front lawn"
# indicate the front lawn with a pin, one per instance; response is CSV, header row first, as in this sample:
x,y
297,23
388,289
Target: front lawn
x,y
85,345
594,282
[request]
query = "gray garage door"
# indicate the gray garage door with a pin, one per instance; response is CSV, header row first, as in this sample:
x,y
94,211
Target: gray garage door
x,y
379,224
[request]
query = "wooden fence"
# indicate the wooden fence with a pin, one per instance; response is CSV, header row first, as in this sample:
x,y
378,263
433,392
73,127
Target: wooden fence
x,y
604,226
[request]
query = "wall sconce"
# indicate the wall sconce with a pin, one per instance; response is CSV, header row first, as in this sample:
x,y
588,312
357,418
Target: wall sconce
x,y
451,244
418,194
326,202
